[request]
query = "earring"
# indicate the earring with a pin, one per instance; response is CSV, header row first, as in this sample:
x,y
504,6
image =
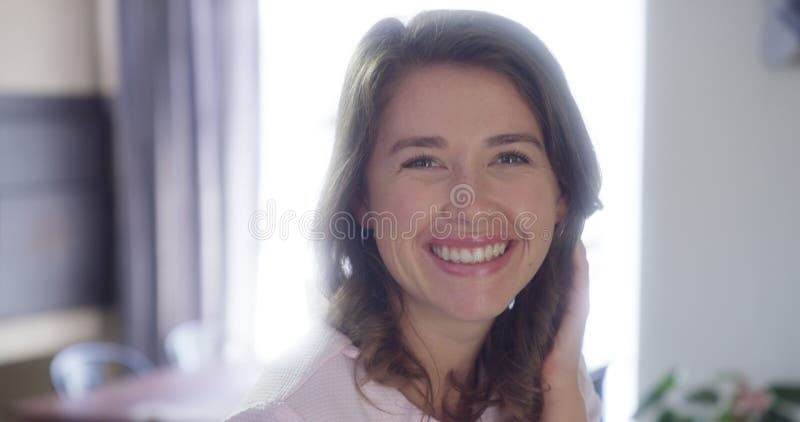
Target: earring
x,y
560,231
511,305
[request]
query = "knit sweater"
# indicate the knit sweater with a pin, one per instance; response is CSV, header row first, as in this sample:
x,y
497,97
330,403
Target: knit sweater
x,y
314,382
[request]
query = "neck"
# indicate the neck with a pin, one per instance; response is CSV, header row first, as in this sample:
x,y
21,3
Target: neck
x,y
442,346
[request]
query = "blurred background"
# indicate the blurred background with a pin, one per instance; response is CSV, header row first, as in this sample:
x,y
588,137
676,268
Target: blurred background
x,y
160,161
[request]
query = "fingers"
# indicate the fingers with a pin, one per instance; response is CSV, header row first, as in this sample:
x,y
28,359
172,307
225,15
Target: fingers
x,y
579,296
577,312
563,363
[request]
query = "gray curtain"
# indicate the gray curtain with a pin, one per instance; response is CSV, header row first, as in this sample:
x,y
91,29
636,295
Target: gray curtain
x,y
185,159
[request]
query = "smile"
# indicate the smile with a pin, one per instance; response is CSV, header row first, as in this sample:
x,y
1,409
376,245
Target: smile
x,y
475,255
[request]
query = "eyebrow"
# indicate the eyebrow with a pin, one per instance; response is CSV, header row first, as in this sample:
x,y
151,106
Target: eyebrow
x,y
439,142
418,141
511,138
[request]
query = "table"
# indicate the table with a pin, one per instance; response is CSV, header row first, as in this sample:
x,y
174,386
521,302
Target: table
x,y
208,394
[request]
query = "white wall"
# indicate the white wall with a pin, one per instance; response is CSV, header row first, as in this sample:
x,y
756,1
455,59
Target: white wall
x,y
48,47
720,275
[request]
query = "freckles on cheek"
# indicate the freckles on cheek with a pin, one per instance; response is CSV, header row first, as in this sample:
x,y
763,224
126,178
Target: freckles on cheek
x,y
411,219
407,206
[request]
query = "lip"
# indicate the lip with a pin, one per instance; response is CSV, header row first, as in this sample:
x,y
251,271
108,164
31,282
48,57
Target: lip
x,y
467,241
470,270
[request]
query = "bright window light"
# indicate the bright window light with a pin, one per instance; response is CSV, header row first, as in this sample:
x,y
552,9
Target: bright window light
x,y
305,50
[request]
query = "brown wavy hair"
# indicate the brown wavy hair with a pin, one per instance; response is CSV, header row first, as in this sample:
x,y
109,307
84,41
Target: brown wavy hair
x,y
507,372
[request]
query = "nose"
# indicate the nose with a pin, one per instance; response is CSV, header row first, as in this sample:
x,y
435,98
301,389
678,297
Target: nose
x,y
466,189
462,196
471,202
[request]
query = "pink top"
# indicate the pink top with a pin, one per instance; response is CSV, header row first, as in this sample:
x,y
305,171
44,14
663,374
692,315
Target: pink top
x,y
314,382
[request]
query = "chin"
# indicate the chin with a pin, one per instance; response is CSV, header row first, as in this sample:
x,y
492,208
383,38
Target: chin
x,y
477,311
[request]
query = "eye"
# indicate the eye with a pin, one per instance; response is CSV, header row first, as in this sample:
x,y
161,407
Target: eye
x,y
420,161
512,158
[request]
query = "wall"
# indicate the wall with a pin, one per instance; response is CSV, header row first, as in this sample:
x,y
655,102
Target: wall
x,y
720,281
48,47
55,215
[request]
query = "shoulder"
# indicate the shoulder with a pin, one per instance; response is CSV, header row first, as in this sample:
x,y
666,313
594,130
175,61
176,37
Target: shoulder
x,y
318,350
275,413
312,378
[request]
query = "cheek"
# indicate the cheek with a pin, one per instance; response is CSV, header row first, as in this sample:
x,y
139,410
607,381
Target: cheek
x,y
534,212
407,209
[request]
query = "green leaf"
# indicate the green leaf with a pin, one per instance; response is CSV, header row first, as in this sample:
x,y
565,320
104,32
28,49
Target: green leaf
x,y
790,393
670,416
772,415
656,394
727,416
703,395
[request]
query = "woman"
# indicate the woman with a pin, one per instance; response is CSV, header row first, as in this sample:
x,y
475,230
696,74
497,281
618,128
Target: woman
x,y
462,161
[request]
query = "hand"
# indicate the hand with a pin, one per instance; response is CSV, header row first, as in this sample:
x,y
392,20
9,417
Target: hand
x,y
563,400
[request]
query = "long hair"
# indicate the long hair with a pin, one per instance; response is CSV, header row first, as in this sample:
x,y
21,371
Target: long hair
x,y
360,289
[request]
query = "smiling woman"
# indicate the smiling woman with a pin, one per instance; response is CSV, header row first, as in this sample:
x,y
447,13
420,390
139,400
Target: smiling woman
x,y
477,311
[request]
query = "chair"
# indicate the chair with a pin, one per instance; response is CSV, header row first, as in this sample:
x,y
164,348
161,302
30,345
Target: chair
x,y
597,376
192,344
83,367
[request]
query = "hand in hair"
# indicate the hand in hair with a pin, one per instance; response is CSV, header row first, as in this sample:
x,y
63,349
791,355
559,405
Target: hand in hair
x,y
563,399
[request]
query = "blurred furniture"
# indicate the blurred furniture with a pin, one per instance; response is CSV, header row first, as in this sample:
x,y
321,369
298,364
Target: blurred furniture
x,y
192,344
83,367
597,376
165,394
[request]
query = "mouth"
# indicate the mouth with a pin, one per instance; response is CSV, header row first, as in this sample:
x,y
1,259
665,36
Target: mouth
x,y
467,259
473,255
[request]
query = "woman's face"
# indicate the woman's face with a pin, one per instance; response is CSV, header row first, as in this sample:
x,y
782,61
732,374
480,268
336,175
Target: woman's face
x,y
460,192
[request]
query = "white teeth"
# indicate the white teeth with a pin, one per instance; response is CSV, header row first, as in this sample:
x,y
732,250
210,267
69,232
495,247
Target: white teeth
x,y
470,256
454,256
477,255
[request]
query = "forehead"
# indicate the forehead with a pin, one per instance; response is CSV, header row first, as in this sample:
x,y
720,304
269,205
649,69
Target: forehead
x,y
458,102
